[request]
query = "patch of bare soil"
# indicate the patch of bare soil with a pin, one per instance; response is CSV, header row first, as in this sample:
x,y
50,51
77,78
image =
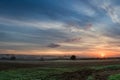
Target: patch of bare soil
x,y
103,75
77,75
83,74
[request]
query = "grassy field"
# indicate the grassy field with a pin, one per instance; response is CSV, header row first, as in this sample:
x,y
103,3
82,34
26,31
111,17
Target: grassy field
x,y
114,77
60,70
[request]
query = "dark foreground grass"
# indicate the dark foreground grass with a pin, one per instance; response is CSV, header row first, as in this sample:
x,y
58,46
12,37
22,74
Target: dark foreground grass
x,y
34,73
47,73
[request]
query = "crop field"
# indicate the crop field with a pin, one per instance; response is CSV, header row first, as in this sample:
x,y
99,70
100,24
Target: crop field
x,y
60,70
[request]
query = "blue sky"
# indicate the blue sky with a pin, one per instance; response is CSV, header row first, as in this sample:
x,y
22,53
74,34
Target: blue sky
x,y
60,27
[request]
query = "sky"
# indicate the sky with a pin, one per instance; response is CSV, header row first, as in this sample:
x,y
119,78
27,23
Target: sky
x,y
87,28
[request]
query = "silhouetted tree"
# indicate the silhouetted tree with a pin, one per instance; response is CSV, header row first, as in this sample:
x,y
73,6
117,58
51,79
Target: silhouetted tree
x,y
73,57
41,59
12,57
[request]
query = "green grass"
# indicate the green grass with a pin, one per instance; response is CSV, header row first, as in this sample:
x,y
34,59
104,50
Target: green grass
x,y
90,78
109,67
114,77
49,73
33,74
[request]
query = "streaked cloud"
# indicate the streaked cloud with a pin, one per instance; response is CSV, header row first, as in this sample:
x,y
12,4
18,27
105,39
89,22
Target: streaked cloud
x,y
47,27
53,45
112,11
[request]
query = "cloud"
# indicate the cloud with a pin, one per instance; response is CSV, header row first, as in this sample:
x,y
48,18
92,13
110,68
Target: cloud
x,y
77,39
53,45
38,24
80,25
112,11
85,9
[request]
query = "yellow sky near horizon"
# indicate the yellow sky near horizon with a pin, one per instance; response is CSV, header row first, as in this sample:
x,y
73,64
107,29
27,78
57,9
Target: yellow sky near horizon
x,y
99,54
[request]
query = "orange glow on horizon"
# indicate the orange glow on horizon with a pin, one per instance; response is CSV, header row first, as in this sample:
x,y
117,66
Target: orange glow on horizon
x,y
102,55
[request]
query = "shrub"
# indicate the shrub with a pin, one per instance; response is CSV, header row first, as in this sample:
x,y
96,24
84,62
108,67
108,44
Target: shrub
x,y
73,57
12,58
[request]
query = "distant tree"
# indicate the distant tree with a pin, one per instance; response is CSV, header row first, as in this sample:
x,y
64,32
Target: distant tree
x,y
73,57
41,59
12,57
4,58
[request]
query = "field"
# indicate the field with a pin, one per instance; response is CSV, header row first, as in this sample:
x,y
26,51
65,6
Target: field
x,y
60,70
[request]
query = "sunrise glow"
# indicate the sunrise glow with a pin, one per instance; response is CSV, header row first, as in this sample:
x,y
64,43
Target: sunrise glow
x,y
102,55
83,28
